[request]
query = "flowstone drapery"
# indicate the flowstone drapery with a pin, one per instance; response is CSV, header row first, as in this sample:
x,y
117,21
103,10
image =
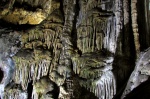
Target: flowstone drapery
x,y
73,49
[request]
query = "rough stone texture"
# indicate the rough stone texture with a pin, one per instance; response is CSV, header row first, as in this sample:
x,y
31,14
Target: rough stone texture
x,y
17,15
71,49
140,74
95,73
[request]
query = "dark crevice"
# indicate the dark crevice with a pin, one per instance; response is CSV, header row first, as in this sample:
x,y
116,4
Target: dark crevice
x,y
61,9
143,25
15,27
140,92
29,89
26,6
4,4
128,57
74,29
79,91
1,75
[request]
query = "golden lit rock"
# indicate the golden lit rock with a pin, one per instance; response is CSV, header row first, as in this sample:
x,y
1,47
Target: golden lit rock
x,y
24,16
21,16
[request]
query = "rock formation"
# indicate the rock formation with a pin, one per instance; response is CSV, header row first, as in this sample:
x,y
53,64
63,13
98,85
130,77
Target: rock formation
x,y
74,49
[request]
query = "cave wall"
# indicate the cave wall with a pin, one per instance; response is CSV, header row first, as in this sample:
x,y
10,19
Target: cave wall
x,y
71,49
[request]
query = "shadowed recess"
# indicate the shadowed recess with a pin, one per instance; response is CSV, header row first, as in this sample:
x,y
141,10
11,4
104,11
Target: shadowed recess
x,y
1,75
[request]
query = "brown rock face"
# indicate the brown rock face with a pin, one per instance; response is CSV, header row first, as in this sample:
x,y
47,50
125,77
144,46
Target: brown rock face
x,y
16,15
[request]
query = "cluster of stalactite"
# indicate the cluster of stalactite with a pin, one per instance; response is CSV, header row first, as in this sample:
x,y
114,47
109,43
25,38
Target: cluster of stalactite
x,y
82,41
39,57
95,74
31,67
96,29
48,50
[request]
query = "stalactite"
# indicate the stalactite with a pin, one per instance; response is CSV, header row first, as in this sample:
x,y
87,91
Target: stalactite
x,y
76,41
48,36
105,87
27,71
119,23
96,70
40,62
110,38
91,4
135,26
92,18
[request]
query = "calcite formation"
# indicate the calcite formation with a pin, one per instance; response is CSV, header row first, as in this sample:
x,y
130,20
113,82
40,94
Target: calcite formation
x,y
95,72
72,49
